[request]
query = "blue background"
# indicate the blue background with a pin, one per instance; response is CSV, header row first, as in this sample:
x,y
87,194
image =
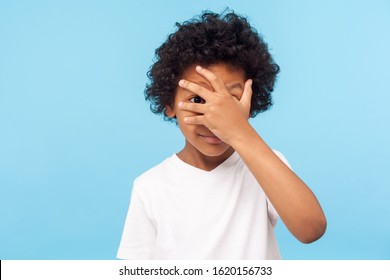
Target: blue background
x,y
75,129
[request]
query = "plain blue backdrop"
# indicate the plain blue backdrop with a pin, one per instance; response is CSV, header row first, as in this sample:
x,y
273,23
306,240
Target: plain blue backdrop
x,y
75,130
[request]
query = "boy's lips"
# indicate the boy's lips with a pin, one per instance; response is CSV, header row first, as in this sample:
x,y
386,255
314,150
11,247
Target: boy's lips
x,y
210,138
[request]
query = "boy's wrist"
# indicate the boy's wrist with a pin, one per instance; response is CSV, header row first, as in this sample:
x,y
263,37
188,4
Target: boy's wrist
x,y
245,138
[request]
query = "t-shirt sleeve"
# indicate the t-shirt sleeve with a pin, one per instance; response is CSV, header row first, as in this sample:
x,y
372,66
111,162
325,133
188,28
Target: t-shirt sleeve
x,y
272,214
139,232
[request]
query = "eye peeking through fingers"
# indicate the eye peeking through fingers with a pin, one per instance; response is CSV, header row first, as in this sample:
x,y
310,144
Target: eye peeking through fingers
x,y
197,99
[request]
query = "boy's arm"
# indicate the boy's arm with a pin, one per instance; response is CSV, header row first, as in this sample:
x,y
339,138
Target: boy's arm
x,y
227,118
139,233
295,203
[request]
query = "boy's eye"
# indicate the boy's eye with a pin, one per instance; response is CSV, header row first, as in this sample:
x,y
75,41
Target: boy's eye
x,y
197,99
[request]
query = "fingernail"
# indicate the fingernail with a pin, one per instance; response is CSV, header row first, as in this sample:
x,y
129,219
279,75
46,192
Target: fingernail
x,y
180,104
181,83
198,68
250,82
186,120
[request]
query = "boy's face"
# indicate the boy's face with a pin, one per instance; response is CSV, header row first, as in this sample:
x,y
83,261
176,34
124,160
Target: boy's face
x,y
200,139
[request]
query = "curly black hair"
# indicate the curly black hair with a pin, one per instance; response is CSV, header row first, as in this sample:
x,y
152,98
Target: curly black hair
x,y
208,39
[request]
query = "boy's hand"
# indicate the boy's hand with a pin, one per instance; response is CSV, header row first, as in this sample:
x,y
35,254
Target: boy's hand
x,y
222,113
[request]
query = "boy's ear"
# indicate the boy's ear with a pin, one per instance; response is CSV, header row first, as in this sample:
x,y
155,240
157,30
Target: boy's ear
x,y
170,111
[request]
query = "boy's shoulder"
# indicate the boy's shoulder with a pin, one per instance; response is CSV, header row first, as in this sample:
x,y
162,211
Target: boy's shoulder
x,y
154,174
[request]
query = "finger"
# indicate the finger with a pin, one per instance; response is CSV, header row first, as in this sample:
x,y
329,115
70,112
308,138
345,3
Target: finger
x,y
194,120
195,88
217,84
246,97
192,107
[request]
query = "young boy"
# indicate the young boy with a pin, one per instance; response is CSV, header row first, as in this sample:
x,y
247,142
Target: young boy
x,y
221,195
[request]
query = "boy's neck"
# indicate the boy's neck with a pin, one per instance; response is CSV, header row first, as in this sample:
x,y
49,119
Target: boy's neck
x,y
194,157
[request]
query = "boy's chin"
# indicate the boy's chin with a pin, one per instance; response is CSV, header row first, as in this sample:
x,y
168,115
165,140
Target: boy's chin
x,y
216,151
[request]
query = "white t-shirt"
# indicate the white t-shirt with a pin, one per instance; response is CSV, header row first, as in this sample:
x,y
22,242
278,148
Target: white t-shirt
x,y
178,211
